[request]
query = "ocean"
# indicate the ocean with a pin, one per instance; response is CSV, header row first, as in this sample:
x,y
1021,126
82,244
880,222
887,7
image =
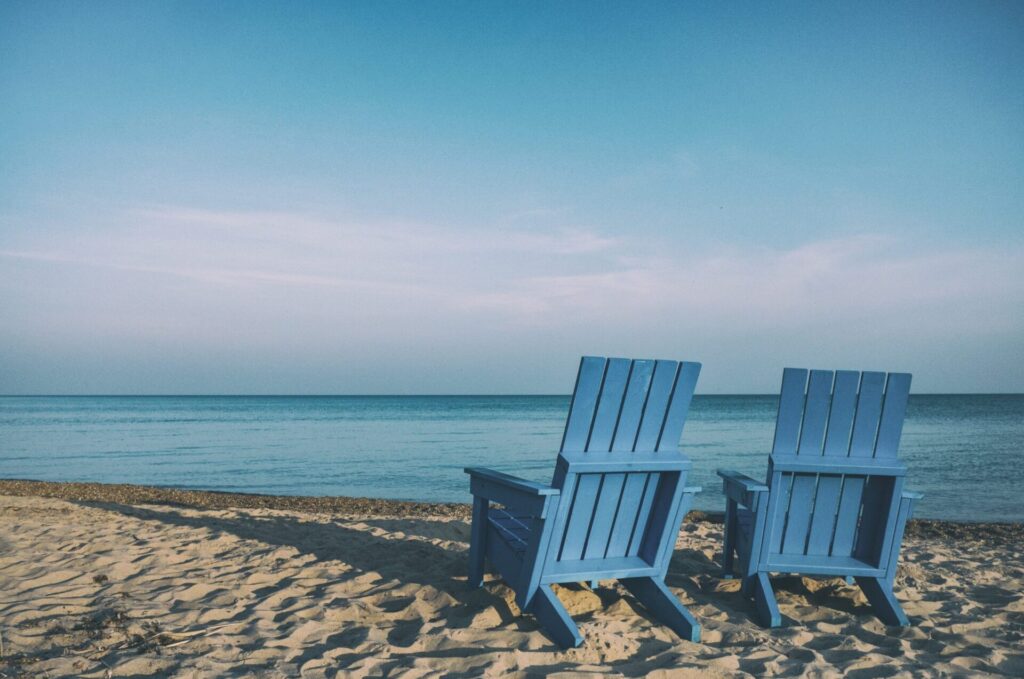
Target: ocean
x,y
963,451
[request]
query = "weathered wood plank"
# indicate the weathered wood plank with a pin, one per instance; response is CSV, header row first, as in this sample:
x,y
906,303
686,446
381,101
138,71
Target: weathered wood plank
x,y
826,505
609,405
604,516
582,513
584,402
894,410
658,396
622,528
791,411
840,418
633,406
782,486
686,382
847,516
819,396
877,499
798,517
643,512
869,408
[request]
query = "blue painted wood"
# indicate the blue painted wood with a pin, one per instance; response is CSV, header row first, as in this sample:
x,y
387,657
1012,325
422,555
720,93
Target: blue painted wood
x,y
907,501
633,406
740,487
845,533
820,565
894,410
845,465
512,496
778,511
663,383
584,403
833,503
823,523
791,411
643,513
583,463
819,397
477,542
869,408
666,498
878,517
798,518
604,515
622,528
512,483
672,430
667,543
731,527
883,601
610,405
764,597
580,517
532,568
552,615
616,501
840,417
664,606
598,569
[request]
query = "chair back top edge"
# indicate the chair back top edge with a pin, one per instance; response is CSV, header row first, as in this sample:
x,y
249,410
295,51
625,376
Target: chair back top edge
x,y
622,405
841,415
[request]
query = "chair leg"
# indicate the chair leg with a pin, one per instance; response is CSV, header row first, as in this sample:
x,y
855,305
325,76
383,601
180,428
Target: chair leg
x,y
594,584
883,601
764,599
664,606
477,542
729,542
552,615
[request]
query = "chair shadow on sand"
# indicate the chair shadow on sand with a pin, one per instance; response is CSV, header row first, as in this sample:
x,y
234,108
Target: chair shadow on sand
x,y
401,542
444,568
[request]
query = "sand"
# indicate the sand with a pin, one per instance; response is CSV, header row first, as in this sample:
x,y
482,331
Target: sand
x,y
104,584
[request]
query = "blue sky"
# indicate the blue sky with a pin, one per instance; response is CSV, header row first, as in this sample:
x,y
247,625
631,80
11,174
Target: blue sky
x,y
465,197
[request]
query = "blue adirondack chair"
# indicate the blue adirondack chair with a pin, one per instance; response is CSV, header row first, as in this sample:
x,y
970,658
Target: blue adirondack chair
x,y
833,502
614,507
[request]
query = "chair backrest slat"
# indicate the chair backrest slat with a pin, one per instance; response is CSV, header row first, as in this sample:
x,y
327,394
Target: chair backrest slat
x,y
894,410
791,411
826,504
819,396
620,406
840,418
798,519
827,421
869,408
672,431
633,406
656,408
608,409
584,401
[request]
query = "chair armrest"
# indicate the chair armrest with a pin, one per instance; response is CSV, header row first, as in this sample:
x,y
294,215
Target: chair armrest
x,y
740,487
521,495
512,482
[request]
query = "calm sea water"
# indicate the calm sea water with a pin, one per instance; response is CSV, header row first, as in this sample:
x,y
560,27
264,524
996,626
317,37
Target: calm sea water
x,y
964,452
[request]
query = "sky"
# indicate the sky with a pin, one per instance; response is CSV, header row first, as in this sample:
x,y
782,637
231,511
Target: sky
x,y
447,197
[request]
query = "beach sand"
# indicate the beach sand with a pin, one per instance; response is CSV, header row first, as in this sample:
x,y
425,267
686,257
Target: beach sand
x,y
100,581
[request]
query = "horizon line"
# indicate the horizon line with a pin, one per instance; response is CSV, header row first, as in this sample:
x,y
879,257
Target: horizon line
x,y
466,395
